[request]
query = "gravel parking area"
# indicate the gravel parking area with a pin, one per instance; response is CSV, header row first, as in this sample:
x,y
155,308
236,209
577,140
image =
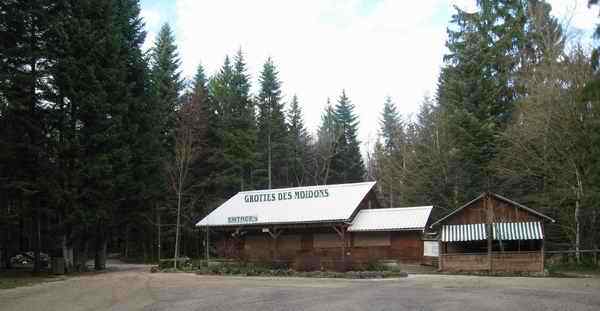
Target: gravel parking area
x,y
130,287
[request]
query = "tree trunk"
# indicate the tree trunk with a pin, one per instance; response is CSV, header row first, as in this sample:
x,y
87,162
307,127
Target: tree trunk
x,y
145,249
22,243
100,258
269,156
126,252
177,227
6,250
595,235
158,238
37,262
81,256
67,252
100,247
578,194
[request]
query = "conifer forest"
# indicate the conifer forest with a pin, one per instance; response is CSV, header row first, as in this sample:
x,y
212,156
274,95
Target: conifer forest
x,y
107,148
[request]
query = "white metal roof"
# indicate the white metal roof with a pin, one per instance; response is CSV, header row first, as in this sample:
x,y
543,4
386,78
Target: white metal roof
x,y
501,231
390,219
322,203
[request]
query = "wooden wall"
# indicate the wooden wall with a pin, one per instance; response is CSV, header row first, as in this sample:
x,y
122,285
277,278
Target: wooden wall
x,y
502,212
322,247
501,262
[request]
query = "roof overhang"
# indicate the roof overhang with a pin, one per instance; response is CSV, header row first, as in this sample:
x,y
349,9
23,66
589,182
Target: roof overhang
x,y
499,197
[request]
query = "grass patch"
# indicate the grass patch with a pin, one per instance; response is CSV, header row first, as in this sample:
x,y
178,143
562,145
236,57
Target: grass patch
x,y
18,278
570,268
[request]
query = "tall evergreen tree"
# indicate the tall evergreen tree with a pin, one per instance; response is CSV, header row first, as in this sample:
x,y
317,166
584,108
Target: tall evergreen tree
x,y
478,85
272,131
232,128
26,63
166,89
299,142
326,148
141,186
200,82
390,157
218,184
391,125
240,143
167,83
347,164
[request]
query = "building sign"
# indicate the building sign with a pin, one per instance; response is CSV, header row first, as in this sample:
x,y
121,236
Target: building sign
x,y
286,195
242,219
431,248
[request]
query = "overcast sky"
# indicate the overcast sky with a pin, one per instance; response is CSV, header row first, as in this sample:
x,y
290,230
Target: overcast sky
x,y
370,48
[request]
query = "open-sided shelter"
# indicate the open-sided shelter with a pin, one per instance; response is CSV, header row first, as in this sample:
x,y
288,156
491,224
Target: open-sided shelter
x,y
492,233
316,227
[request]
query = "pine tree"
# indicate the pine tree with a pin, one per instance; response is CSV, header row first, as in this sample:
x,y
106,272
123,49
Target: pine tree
x,y
217,184
26,63
167,84
390,157
272,132
232,129
299,142
328,136
478,86
240,142
200,83
391,126
347,164
140,183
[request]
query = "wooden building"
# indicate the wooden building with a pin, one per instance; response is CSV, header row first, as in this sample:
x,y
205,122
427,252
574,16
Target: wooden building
x,y
492,233
335,227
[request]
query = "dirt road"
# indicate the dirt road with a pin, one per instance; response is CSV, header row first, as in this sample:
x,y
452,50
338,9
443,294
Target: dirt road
x,y
132,287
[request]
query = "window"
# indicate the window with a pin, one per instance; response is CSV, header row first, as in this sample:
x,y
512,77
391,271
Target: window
x,y
365,239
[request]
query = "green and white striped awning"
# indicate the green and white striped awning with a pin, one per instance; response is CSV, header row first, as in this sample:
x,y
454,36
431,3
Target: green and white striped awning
x,y
461,233
518,231
501,231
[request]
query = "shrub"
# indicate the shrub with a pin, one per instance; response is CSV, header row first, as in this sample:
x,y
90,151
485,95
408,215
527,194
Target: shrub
x,y
183,263
375,265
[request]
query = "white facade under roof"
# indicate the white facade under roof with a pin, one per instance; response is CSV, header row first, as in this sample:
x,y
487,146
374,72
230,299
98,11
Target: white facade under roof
x,y
391,219
325,203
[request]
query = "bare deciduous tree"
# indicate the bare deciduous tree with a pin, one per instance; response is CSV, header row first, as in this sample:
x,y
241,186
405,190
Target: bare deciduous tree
x,y
188,142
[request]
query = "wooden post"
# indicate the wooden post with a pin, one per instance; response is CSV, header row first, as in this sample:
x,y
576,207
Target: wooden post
x,y
274,235
440,256
542,249
207,246
342,234
542,257
487,205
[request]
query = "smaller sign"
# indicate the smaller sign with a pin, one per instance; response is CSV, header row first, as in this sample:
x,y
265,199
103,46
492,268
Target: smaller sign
x,y
431,248
242,219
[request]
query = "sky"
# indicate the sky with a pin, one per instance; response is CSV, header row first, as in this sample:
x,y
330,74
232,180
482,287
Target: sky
x,y
369,48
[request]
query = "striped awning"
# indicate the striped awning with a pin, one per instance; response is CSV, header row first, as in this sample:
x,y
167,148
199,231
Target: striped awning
x,y
501,231
461,233
518,231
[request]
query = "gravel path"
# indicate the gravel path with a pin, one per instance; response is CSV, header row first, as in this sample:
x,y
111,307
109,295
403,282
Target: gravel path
x,y
132,287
